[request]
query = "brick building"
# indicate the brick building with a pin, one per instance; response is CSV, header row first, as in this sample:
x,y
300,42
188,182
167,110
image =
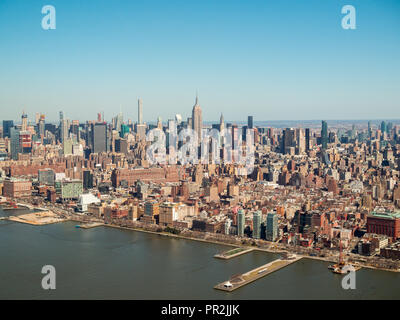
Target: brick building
x,y
17,188
384,223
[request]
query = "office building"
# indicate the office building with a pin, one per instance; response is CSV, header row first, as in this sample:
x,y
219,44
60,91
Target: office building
x,y
99,137
140,111
15,145
272,227
324,135
7,125
250,122
240,222
197,119
257,224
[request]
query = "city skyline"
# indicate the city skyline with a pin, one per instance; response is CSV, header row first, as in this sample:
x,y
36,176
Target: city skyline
x,y
284,61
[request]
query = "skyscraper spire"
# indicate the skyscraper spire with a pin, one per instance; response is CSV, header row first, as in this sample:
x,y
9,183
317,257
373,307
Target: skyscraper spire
x,y
140,111
197,118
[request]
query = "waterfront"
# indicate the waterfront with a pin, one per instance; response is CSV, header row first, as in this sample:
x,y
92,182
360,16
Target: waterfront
x,y
109,263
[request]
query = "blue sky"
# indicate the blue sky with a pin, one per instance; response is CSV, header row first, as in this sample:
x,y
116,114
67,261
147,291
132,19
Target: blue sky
x,y
275,60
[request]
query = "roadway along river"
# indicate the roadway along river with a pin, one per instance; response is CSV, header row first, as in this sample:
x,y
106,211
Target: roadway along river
x,y
107,263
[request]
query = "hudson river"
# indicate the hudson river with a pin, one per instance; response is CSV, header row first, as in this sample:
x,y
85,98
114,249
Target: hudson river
x,y
107,263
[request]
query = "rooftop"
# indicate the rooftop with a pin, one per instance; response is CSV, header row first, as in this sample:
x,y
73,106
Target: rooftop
x,y
387,215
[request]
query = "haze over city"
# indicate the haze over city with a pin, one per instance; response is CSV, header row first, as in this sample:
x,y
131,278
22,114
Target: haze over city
x,y
277,60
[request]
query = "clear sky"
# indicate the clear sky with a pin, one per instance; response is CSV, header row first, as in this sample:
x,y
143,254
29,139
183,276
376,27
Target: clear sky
x,y
275,60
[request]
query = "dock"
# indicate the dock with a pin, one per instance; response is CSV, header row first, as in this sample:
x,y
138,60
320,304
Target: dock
x,y
232,253
238,281
90,225
37,218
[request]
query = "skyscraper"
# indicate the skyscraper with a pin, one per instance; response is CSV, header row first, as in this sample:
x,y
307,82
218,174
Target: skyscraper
x,y
240,223
15,143
369,129
99,137
41,126
250,122
301,140
197,119
7,125
256,225
140,111
307,139
288,140
324,135
272,227
221,123
24,119
64,130
383,126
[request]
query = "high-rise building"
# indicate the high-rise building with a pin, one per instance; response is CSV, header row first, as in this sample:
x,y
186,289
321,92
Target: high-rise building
x,y
221,123
369,129
87,179
257,224
141,131
140,111
74,128
250,122
197,119
301,141
15,143
308,136
383,126
288,140
272,227
46,176
324,135
99,137
7,125
64,130
240,223
118,122
24,119
41,126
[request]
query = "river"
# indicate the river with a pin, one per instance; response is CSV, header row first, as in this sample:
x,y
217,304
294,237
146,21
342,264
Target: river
x,y
108,263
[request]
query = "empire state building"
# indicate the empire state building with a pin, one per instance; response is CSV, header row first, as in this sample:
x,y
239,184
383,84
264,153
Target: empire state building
x,y
197,119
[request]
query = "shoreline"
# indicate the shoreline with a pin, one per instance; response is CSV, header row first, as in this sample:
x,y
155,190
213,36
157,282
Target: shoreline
x,y
244,247
177,236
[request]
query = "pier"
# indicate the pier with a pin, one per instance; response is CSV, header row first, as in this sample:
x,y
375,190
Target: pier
x,y
90,225
238,281
37,218
232,253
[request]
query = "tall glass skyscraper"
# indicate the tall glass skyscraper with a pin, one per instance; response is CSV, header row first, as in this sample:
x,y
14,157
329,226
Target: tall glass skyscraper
x,y
272,227
324,135
257,225
7,125
241,223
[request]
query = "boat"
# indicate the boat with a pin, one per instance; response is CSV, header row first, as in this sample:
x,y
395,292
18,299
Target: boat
x,y
77,226
228,284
